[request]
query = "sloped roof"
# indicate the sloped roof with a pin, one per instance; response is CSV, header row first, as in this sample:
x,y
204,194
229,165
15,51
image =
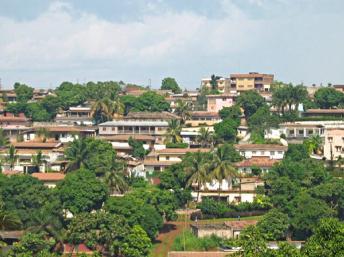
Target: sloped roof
x,y
183,150
151,116
53,176
261,147
30,144
257,161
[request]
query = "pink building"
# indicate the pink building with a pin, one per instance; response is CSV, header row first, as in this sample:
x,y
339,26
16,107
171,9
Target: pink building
x,y
217,102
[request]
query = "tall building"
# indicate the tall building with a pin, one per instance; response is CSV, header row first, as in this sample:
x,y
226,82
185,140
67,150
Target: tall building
x,y
251,81
222,84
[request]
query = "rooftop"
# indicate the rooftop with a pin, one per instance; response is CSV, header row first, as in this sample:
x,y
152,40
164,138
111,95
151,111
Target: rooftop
x,y
151,116
257,161
205,114
250,75
325,111
30,144
261,147
51,176
135,123
183,150
126,137
198,254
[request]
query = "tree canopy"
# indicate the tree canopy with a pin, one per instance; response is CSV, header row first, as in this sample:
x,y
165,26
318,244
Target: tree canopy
x,y
170,84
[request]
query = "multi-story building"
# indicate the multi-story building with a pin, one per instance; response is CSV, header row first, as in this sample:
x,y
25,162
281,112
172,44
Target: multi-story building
x,y
13,126
251,81
222,84
332,113
200,118
216,102
334,143
189,97
79,115
272,151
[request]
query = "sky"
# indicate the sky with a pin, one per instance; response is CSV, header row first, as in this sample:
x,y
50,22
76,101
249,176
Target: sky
x,y
46,42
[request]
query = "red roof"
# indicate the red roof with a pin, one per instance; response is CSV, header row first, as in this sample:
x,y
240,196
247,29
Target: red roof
x,y
198,254
29,144
240,224
81,248
183,150
53,176
261,147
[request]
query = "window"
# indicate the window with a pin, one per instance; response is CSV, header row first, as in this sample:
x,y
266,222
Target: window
x,y
272,152
254,152
300,131
310,132
167,158
104,128
280,152
262,152
330,139
113,128
338,148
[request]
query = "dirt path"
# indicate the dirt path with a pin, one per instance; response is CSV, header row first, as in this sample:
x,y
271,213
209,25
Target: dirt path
x,y
166,237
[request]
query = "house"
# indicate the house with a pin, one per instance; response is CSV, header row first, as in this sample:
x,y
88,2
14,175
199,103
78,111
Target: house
x,y
263,163
331,113
49,179
189,97
8,96
215,103
234,190
149,116
25,152
62,133
203,118
14,126
339,88
334,143
272,151
80,115
222,84
251,81
189,135
160,159
228,229
156,128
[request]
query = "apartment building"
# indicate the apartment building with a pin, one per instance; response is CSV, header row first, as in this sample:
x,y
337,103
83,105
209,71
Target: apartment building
x,y
13,125
251,81
247,166
189,97
203,118
223,84
272,151
216,102
334,143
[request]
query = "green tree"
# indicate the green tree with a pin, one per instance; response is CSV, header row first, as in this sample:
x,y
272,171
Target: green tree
x,y
296,152
253,243
274,225
233,113
12,156
313,144
4,140
198,171
38,160
170,84
138,149
43,134
262,120
8,220
101,90
222,168
173,132
102,110
327,239
115,180
328,97
137,243
81,191
150,102
70,94
226,130
23,92
250,101
76,154
204,137
183,110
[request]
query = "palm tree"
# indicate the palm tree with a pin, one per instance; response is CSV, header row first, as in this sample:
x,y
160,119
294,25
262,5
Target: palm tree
x,y
313,144
8,220
183,110
204,137
76,154
222,168
37,160
118,106
4,140
114,179
12,156
198,172
103,110
43,134
173,132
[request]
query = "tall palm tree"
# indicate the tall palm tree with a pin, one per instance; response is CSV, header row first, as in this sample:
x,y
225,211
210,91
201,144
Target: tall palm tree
x,y
204,137
118,106
222,168
102,110
183,110
198,172
12,156
37,160
4,140
114,179
43,134
8,220
76,154
173,132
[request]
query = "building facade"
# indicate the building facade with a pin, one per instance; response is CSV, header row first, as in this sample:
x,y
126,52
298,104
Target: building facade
x,y
251,81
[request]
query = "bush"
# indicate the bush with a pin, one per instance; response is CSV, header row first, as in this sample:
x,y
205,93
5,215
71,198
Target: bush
x,y
177,145
213,208
193,243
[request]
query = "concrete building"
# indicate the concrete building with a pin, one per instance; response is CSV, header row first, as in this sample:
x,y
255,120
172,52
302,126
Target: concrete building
x,y
251,81
339,88
50,179
80,115
228,229
334,143
331,113
272,151
263,163
201,118
215,103
222,84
